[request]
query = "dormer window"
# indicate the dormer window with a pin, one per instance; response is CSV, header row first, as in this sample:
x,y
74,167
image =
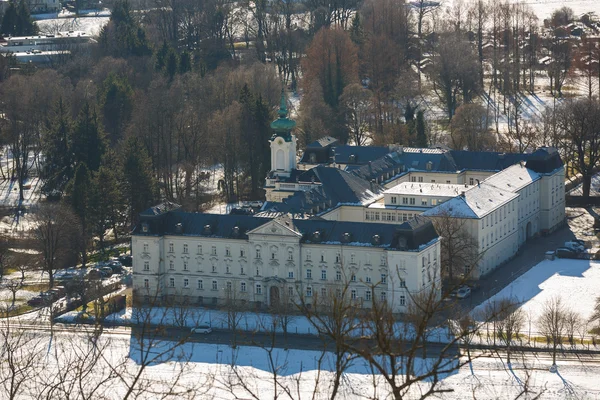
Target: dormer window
x,y
352,158
429,165
313,158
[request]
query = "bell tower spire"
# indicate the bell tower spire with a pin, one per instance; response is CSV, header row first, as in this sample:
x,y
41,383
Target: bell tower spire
x,y
283,142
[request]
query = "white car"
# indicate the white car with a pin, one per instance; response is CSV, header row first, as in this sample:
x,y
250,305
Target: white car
x,y
463,292
575,245
202,329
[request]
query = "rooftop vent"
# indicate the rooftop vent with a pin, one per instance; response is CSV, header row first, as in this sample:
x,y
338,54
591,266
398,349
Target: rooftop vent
x,y
207,229
316,236
178,227
346,237
376,240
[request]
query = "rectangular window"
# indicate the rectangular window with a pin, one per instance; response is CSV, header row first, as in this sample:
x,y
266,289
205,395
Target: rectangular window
x,y
227,269
322,257
324,293
353,294
171,282
308,291
402,283
199,249
338,275
353,278
229,286
308,274
185,249
383,278
258,288
368,295
393,199
200,284
243,286
185,265
405,200
290,291
186,282
171,265
448,182
227,252
308,255
215,285
214,268
145,247
171,248
402,300
146,283
383,296
368,279
290,256
324,275
273,255
257,272
423,202
290,274
242,252
241,270
413,178
412,201
258,253
213,250
420,179
471,181
146,265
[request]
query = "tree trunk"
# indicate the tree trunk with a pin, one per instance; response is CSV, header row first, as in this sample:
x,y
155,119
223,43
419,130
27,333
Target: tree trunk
x,y
587,184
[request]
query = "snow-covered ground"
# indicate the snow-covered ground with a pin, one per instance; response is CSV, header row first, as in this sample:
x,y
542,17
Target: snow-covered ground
x,y
89,25
209,371
594,190
575,282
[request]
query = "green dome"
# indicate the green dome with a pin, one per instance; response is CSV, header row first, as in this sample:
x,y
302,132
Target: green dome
x,y
283,124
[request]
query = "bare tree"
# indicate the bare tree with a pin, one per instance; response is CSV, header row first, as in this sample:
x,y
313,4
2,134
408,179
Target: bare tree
x,y
56,234
510,323
19,362
334,316
573,321
235,306
460,251
553,324
579,121
13,286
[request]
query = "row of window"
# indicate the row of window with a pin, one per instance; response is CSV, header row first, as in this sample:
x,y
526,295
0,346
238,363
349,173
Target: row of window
x,y
258,289
388,216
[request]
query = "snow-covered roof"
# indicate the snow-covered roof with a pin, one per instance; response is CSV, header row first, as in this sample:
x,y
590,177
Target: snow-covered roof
x,y
427,189
513,178
476,202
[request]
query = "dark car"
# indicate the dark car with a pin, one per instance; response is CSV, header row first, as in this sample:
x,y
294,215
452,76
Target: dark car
x,y
126,260
106,272
94,274
116,266
565,252
36,301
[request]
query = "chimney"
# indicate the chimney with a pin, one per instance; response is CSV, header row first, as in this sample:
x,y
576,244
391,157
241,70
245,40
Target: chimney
x,y
462,194
372,182
478,183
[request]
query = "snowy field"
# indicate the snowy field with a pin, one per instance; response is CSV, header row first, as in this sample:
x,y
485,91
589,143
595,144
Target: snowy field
x,y
207,371
89,25
576,282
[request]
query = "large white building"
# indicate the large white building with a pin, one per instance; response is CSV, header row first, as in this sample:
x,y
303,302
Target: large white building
x,y
210,259
349,215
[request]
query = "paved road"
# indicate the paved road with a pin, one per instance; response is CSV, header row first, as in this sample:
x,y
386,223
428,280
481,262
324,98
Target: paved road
x,y
530,255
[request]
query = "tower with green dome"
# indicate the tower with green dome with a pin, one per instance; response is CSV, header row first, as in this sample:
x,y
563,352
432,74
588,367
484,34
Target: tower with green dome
x,y
283,142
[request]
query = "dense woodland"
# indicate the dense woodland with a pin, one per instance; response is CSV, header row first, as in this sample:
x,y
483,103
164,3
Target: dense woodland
x,y
175,87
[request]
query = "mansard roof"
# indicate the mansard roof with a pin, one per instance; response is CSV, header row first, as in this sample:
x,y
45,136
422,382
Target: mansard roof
x,y
160,209
410,235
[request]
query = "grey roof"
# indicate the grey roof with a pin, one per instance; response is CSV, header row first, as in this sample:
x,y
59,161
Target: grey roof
x,y
485,160
544,160
359,154
407,236
325,141
160,209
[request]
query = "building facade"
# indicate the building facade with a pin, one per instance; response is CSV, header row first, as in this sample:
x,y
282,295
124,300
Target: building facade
x,y
208,259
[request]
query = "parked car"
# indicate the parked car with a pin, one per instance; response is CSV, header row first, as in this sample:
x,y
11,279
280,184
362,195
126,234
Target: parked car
x,y
463,292
202,329
59,290
94,274
106,272
565,252
126,260
36,301
575,245
116,266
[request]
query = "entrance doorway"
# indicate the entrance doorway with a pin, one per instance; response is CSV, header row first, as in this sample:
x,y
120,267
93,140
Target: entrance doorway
x,y
274,296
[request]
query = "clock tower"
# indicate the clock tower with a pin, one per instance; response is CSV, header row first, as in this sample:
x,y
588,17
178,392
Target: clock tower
x,y
283,143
